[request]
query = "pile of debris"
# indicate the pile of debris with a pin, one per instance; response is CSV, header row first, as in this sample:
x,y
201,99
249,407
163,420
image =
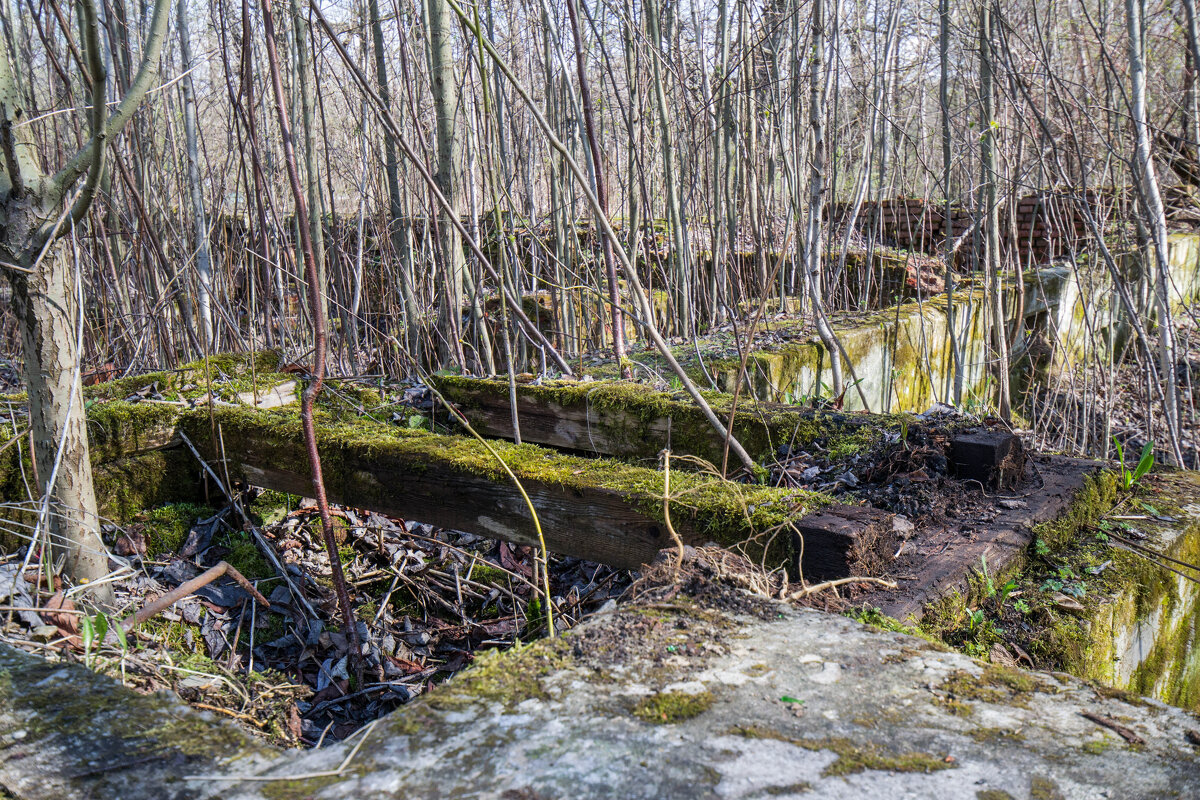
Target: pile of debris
x,y
426,601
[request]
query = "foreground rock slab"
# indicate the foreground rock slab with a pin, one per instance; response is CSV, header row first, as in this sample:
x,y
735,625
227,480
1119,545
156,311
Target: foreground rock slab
x,y
675,697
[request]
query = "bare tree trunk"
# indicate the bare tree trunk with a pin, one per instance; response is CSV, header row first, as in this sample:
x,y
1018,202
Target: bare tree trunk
x,y
679,256
204,271
1156,220
606,245
816,197
445,101
36,210
312,178
391,165
991,210
46,303
956,388
320,344
1193,44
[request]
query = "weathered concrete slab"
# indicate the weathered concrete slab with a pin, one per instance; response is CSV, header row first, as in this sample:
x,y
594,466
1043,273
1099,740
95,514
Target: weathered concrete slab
x,y
66,732
669,699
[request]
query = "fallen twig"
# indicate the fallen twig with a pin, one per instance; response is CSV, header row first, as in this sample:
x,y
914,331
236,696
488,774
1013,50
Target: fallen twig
x,y
1114,726
188,587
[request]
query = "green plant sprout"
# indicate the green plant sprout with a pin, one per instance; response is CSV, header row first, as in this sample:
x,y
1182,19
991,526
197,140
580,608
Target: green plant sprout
x,y
1129,478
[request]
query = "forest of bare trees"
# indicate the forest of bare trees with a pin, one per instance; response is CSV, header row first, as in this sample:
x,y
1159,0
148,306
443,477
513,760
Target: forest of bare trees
x,y
507,188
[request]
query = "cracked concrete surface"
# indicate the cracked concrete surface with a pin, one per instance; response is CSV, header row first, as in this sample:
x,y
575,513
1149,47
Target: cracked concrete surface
x,y
802,704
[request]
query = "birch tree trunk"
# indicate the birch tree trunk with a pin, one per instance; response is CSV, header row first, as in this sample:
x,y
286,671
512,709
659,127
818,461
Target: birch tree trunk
x,y
204,271
445,102
1156,221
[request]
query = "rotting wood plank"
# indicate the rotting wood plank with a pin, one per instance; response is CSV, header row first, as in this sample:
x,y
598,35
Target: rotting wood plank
x,y
633,421
1003,540
838,540
595,509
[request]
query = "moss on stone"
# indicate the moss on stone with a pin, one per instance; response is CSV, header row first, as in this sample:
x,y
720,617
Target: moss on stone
x,y
1091,502
997,685
288,789
669,707
1042,788
877,619
852,756
505,677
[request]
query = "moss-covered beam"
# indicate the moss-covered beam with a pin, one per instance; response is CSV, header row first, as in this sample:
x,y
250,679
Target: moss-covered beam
x,y
634,421
596,509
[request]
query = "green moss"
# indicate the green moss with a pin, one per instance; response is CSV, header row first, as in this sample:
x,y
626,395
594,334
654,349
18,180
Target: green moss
x,y
246,558
669,707
993,794
1041,788
506,677
727,512
230,374
296,789
853,757
166,527
126,487
1091,502
995,735
997,685
487,574
877,619
791,788
271,506
1096,747
631,420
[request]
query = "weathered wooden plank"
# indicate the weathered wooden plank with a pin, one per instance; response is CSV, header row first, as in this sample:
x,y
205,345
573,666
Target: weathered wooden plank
x,y
941,565
596,509
635,422
843,540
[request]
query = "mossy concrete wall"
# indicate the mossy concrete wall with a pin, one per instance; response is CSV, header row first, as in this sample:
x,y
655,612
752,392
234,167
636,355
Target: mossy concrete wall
x,y
902,358
1079,311
1146,637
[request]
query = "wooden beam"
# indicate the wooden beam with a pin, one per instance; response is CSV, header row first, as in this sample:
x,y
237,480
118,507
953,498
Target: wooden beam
x,y
633,421
596,509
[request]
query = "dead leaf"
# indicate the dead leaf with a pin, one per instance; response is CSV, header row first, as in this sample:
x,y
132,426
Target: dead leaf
x,y
131,543
1000,655
1067,603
